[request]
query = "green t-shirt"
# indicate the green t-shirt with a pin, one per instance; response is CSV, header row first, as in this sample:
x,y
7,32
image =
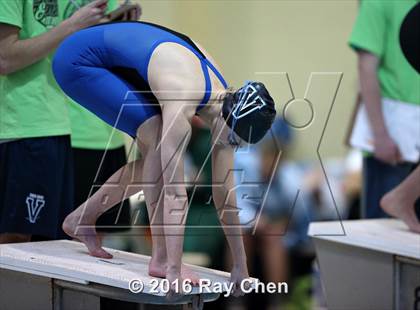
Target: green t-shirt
x,y
90,132
87,130
31,103
377,30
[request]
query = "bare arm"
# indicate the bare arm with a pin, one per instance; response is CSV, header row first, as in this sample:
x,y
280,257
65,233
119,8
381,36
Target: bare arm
x,y
385,148
225,201
16,54
368,65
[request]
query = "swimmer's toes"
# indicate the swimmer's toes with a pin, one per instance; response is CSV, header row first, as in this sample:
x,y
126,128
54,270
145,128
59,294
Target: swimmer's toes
x,y
413,223
101,253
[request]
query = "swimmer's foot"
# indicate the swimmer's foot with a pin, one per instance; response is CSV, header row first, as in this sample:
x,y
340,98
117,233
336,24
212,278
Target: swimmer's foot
x,y
158,269
396,204
188,273
86,235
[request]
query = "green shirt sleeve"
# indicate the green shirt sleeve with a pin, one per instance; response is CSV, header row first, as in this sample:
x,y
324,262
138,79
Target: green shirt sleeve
x,y
112,5
370,27
11,12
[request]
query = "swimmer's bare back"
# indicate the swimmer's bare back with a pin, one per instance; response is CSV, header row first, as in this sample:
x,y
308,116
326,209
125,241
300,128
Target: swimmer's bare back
x,y
175,75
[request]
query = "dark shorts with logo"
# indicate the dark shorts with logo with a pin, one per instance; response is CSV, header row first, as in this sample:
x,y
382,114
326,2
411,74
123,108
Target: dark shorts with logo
x,y
36,185
91,169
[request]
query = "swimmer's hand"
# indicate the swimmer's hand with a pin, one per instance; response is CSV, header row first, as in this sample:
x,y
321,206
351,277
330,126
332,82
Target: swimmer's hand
x,y
125,12
237,275
88,15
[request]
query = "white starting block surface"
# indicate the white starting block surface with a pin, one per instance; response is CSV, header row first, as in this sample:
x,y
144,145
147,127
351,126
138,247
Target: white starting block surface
x,y
374,265
383,235
70,261
68,264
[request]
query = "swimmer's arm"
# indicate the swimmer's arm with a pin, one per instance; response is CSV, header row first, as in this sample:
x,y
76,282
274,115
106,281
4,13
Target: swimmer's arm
x,y
17,54
176,133
224,198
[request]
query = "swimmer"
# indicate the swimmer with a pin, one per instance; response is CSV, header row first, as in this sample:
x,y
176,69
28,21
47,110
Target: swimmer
x,y
101,68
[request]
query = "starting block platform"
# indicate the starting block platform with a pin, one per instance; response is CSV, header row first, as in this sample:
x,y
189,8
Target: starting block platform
x,y
375,264
60,275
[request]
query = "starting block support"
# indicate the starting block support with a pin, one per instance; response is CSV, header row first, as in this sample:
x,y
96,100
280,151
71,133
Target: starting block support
x,y
375,264
60,275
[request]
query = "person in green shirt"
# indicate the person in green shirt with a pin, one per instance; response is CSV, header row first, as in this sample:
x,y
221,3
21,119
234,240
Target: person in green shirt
x,y
384,73
36,164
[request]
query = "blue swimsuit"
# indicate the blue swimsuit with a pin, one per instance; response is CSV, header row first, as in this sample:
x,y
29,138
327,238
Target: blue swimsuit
x,y
104,69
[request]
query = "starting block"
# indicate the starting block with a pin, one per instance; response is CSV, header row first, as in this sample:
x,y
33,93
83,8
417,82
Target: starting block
x,y
60,275
374,265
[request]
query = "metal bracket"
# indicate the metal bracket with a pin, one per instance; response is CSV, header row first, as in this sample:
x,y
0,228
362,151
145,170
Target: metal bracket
x,y
197,303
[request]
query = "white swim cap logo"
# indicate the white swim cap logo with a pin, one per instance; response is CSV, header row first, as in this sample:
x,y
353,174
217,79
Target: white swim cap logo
x,y
245,102
34,203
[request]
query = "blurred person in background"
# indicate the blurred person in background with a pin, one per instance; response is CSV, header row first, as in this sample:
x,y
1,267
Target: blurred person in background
x,y
258,174
352,183
384,73
36,166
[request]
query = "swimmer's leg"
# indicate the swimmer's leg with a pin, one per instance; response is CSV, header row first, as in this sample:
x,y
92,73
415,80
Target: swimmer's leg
x,y
148,140
105,93
400,201
127,181
80,224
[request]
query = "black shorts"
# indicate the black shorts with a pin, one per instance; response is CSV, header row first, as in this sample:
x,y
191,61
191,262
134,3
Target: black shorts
x,y
36,186
89,174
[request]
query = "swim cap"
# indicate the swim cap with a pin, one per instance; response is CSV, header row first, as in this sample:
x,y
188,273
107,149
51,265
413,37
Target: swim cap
x,y
249,112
